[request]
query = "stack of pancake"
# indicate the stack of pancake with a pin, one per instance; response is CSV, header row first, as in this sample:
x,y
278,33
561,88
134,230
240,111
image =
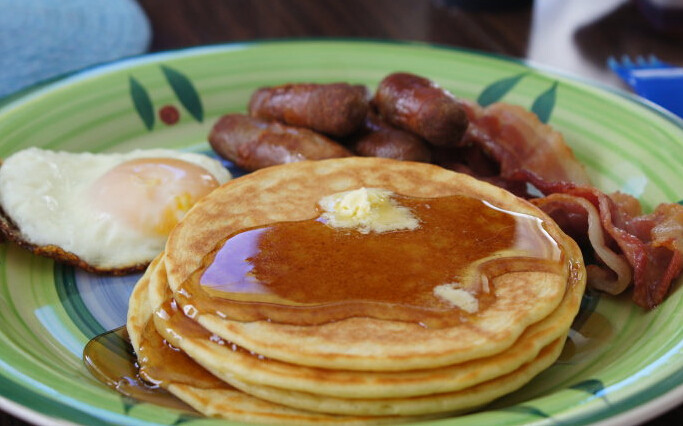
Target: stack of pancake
x,y
233,360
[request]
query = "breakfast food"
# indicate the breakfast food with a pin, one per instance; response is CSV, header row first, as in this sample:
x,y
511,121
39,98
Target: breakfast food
x,y
412,118
515,140
623,247
336,109
364,290
484,282
420,106
253,143
192,383
102,212
628,247
379,139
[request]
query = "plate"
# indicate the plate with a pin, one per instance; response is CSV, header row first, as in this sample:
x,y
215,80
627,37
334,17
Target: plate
x,y
619,357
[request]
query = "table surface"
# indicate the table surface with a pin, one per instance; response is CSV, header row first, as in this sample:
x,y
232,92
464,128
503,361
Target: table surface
x,y
573,36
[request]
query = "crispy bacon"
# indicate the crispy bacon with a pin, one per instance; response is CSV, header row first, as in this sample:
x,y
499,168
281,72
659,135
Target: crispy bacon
x,y
611,272
517,140
651,244
508,146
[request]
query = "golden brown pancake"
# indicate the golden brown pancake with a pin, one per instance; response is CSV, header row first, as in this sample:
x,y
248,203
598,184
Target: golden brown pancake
x,y
290,193
224,401
452,402
228,360
139,309
216,357
283,369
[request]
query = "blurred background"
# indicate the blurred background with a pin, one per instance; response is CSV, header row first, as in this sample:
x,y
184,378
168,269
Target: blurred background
x,y
40,39
575,36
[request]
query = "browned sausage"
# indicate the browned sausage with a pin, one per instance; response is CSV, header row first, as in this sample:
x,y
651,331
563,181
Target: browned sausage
x,y
383,140
336,109
252,143
418,105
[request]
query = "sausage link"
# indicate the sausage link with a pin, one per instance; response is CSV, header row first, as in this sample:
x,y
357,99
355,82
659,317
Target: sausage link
x,y
382,140
336,109
252,143
418,105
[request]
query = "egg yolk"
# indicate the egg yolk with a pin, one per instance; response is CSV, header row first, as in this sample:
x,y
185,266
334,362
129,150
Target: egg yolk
x,y
151,195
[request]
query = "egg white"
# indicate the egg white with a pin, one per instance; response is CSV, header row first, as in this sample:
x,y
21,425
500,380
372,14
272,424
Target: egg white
x,y
45,194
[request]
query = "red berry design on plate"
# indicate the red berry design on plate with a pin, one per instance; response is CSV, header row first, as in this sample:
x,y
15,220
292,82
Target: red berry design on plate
x,y
169,114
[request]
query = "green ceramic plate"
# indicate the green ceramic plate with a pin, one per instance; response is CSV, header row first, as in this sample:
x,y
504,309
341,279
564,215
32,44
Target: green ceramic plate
x,y
621,364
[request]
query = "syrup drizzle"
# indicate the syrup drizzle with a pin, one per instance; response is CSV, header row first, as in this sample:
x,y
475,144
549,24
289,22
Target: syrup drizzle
x,y
306,273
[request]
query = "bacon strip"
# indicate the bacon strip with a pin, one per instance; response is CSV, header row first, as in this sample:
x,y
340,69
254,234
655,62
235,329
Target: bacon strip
x,y
517,140
558,205
652,244
622,246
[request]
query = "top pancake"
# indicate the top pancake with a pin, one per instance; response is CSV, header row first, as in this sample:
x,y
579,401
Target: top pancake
x,y
291,192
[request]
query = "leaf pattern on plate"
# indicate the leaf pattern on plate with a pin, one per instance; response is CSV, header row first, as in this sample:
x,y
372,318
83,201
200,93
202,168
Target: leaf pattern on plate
x,y
592,386
186,418
128,404
543,105
142,102
496,90
185,91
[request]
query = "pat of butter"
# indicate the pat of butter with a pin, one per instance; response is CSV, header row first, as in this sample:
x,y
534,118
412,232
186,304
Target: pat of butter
x,y
457,297
367,210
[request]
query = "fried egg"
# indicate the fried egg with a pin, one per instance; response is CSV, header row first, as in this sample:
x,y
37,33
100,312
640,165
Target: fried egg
x,y
103,212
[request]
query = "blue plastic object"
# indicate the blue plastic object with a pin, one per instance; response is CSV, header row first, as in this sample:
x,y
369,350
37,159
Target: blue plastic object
x,y
43,39
652,79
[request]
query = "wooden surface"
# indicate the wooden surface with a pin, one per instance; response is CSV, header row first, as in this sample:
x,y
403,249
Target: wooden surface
x,y
572,36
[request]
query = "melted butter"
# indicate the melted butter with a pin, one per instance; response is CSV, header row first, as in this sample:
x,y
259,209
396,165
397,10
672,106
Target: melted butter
x,y
366,210
306,272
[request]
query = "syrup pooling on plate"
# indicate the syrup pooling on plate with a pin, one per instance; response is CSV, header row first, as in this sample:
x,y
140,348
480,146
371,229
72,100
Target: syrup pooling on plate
x,y
112,360
306,272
